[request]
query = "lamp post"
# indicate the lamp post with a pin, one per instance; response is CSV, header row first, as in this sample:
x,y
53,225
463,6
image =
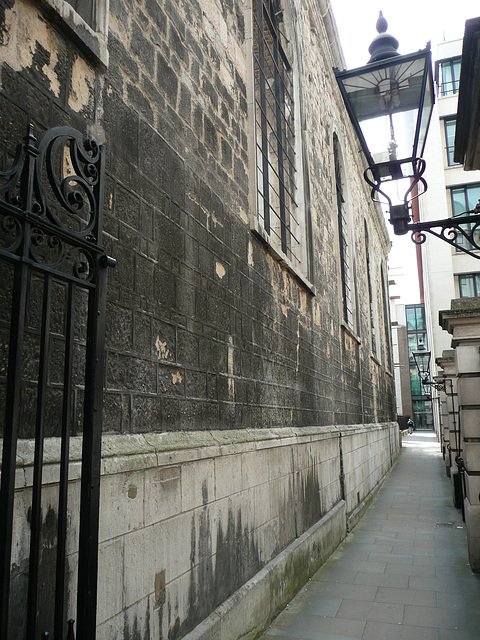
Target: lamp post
x,y
390,102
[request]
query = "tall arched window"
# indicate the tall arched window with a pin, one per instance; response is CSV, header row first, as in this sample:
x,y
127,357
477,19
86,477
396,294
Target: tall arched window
x,y
274,123
370,292
345,239
280,208
386,320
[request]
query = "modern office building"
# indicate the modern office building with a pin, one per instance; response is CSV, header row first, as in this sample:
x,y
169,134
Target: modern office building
x,y
408,333
448,273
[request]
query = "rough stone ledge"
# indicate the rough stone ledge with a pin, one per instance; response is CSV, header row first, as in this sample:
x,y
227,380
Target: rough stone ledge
x,y
170,447
252,607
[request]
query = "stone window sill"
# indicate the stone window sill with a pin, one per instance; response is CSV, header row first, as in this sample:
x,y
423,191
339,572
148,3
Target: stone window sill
x,y
259,233
350,331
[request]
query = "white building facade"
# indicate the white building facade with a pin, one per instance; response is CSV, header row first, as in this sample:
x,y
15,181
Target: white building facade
x,y
448,273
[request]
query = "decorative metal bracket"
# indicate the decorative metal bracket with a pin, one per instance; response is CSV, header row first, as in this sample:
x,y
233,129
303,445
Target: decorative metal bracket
x,y
452,230
438,385
461,231
51,203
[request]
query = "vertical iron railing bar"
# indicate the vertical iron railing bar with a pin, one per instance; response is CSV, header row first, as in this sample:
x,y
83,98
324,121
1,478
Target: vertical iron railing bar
x,y
263,110
269,104
273,28
262,72
12,422
271,146
91,455
59,621
14,376
36,519
290,196
28,209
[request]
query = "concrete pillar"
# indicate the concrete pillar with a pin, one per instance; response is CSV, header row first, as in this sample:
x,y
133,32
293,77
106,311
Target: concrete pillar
x,y
463,322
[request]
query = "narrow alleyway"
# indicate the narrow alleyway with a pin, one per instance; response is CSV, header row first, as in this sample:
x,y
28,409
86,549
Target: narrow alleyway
x,y
402,574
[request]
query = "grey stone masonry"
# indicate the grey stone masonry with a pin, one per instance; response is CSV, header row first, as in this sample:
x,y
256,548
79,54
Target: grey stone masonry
x,y
211,529
206,327
247,418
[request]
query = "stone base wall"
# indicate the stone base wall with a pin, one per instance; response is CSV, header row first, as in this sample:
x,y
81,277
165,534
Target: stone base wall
x,y
194,525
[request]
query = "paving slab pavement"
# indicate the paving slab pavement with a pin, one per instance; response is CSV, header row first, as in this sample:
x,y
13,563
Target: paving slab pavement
x,y
403,573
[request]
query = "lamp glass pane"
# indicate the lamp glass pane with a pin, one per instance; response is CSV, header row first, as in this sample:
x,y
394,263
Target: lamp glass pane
x,y
385,99
426,113
422,360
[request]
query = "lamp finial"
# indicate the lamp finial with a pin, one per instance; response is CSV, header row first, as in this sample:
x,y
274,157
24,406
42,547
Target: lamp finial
x,y
384,45
382,24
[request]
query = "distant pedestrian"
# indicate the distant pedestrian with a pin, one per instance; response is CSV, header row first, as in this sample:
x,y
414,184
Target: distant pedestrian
x,y
410,425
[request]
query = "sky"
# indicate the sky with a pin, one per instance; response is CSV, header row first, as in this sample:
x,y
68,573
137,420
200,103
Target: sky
x,y
413,23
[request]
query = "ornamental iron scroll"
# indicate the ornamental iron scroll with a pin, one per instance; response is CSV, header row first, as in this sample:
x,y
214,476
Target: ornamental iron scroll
x,y
55,187
461,232
54,273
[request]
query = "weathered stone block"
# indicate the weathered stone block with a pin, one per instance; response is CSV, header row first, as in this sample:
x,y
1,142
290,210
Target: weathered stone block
x,y
110,579
469,391
472,521
470,421
198,484
471,454
143,557
473,489
124,495
163,496
467,359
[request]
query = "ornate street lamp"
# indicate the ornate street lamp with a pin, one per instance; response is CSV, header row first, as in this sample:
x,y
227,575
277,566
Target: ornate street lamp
x,y
422,360
390,102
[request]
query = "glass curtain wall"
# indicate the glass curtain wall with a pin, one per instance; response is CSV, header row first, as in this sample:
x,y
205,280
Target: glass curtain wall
x,y
421,398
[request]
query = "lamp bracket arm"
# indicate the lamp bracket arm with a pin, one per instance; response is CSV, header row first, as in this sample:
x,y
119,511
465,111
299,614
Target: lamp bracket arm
x,y
451,231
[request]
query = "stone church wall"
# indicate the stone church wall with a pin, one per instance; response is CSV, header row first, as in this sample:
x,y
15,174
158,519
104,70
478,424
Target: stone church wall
x,y
230,372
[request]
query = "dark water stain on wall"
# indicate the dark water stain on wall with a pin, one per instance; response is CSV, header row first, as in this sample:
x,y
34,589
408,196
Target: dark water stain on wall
x,y
309,508
215,578
136,630
46,579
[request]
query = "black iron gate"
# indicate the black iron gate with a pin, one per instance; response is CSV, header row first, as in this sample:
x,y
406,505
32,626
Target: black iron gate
x,y
52,317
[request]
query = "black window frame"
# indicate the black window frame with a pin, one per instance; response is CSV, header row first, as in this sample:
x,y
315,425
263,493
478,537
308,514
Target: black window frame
x,y
87,10
89,27
347,281
277,210
450,148
475,275
451,87
467,205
